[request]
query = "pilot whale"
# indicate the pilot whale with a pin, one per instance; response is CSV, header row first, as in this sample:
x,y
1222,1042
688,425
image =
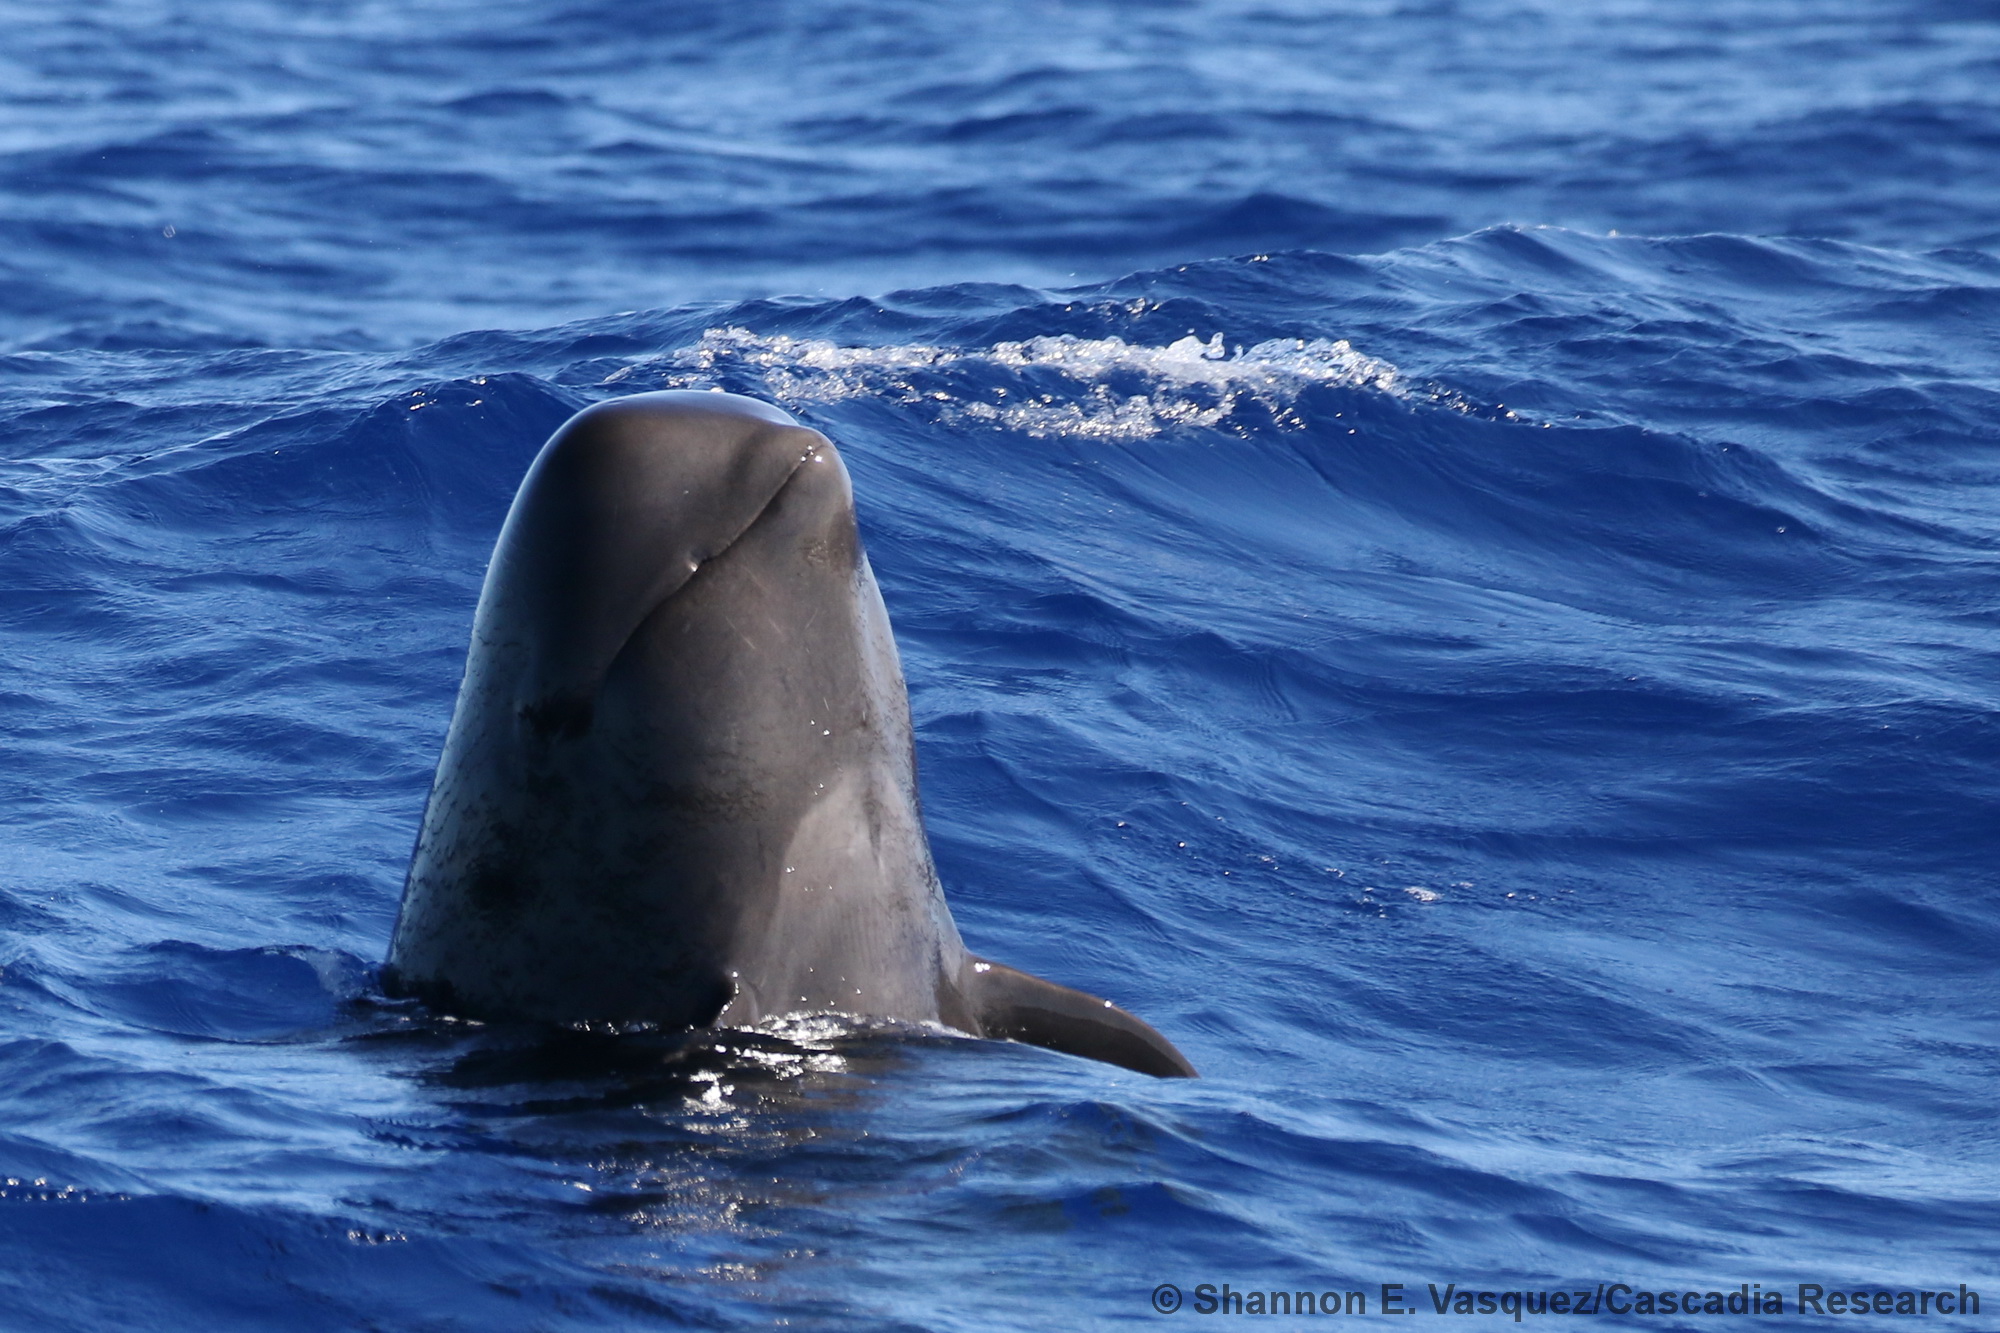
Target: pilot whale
x,y
679,785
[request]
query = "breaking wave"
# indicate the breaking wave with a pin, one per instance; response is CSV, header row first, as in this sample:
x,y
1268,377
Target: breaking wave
x,y
1093,388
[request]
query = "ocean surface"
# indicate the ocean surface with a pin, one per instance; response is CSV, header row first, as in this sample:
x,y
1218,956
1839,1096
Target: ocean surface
x,y
1446,554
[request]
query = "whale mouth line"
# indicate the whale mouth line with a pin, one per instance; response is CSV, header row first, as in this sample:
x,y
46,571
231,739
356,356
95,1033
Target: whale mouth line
x,y
567,712
697,562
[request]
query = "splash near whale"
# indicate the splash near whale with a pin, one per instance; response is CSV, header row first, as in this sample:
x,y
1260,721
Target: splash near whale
x,y
679,786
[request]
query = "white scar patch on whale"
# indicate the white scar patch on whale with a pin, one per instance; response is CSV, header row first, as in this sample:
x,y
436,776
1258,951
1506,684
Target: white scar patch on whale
x,y
1054,385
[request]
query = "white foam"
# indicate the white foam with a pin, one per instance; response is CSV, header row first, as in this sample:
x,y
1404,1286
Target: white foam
x,y
1062,385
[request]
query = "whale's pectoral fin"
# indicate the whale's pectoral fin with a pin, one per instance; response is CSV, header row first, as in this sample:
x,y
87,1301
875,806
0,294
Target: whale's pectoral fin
x,y
1017,1007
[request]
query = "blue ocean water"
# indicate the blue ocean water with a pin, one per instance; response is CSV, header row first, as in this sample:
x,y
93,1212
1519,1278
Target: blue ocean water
x,y
1444,554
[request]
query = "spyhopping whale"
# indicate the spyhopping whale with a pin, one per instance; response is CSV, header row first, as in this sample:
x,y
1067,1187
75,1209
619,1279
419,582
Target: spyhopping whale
x,y
679,786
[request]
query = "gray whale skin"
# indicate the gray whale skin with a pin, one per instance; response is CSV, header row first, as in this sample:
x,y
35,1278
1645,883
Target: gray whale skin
x,y
679,786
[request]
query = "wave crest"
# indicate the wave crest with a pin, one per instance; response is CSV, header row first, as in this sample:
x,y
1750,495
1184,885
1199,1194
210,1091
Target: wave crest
x,y
1101,388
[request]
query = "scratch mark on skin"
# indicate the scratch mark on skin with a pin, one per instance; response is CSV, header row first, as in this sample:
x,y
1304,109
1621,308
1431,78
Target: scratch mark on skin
x,y
777,627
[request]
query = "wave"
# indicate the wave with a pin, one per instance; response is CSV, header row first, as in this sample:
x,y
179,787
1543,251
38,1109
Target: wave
x,y
1514,709
305,197
1189,382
